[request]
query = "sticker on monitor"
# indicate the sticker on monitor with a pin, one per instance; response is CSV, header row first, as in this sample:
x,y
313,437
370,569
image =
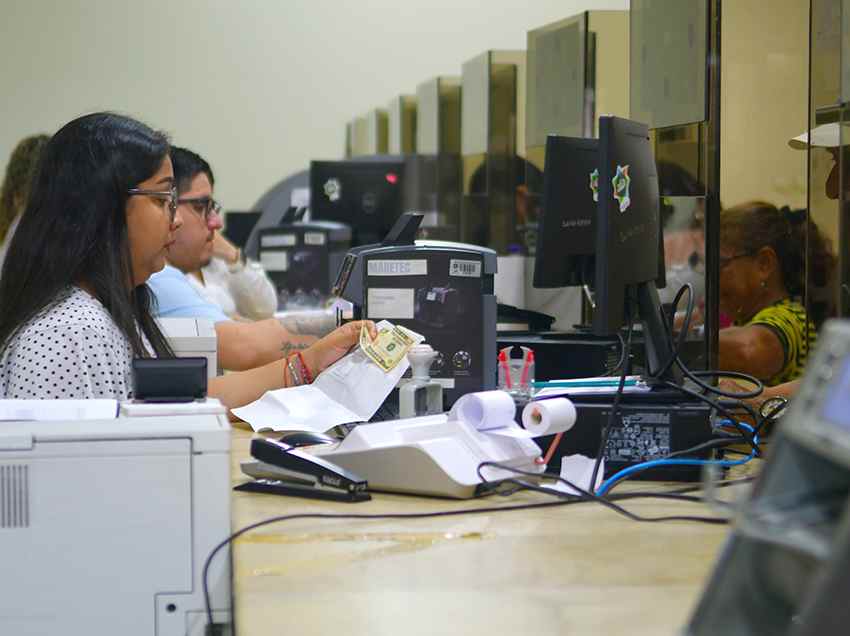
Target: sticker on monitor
x,y
333,189
622,182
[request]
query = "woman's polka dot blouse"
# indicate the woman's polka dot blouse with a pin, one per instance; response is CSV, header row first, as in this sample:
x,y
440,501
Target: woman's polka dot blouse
x,y
72,350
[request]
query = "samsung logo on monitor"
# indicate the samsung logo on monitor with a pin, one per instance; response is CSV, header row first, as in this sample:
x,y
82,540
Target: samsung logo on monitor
x,y
417,267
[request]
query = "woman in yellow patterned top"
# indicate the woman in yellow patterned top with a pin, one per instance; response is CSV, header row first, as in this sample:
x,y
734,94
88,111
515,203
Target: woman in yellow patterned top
x,y
761,285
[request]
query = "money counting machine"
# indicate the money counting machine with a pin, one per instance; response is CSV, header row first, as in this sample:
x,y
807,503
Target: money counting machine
x,y
441,290
302,258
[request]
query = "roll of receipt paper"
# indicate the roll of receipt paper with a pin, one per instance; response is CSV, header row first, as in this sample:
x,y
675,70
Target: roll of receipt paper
x,y
485,410
547,417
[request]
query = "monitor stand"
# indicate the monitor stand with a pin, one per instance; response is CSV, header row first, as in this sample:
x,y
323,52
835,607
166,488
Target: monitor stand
x,y
657,339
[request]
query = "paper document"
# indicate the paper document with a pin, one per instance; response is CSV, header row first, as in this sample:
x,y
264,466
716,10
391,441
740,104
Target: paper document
x,y
350,390
578,469
44,410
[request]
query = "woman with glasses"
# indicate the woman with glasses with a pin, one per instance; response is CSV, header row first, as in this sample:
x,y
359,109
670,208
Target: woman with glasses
x,y
213,265
74,305
15,189
761,286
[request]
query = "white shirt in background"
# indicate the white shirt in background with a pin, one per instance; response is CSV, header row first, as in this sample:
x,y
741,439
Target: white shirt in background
x,y
241,289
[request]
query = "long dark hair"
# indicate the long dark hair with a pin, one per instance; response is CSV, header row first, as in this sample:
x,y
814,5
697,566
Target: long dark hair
x,y
74,227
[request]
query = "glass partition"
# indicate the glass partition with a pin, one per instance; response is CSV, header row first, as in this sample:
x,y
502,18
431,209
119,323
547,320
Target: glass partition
x,y
493,103
401,134
668,61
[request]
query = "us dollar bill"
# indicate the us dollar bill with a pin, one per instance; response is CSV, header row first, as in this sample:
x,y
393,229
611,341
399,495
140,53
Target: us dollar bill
x,y
388,348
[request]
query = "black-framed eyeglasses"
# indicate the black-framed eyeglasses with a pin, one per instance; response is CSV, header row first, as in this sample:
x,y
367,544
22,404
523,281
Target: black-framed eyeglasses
x,y
206,206
723,261
169,196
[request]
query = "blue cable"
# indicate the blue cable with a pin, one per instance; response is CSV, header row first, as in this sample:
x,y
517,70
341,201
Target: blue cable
x,y
725,463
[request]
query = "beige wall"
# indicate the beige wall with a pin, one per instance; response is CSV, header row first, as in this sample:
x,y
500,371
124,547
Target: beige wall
x,y
259,87
764,95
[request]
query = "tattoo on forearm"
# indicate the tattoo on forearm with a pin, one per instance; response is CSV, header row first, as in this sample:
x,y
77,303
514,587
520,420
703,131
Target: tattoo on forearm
x,y
309,325
291,347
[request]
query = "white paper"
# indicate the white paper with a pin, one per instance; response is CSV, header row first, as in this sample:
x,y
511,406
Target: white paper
x,y
547,417
578,469
43,410
350,390
491,412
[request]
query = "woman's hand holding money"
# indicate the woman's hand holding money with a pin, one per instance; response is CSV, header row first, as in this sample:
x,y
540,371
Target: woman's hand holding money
x,y
327,350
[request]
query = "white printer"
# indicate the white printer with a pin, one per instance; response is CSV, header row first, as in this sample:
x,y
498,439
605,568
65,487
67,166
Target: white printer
x,y
105,524
192,337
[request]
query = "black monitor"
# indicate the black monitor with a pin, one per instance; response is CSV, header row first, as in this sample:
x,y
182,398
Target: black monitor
x,y
629,243
366,195
566,244
613,244
239,225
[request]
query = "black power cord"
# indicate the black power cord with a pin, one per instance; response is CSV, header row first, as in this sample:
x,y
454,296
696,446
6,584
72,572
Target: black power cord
x,y
412,515
618,396
586,495
624,353
562,500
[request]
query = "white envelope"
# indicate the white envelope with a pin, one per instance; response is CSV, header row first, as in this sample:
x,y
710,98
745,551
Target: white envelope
x,y
350,390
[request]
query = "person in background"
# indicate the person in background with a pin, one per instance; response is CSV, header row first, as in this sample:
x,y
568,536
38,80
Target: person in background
x,y
101,215
16,183
224,278
762,267
826,136
178,292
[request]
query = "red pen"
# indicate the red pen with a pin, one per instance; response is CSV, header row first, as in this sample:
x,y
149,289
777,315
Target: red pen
x,y
503,360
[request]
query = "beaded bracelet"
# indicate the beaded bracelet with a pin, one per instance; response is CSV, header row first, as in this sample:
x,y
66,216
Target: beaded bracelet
x,y
296,377
307,375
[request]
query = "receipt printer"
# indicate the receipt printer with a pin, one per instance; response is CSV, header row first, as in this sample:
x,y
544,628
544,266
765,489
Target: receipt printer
x,y
439,289
304,257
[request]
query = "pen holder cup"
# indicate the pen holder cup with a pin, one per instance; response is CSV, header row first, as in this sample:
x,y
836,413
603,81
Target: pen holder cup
x,y
516,374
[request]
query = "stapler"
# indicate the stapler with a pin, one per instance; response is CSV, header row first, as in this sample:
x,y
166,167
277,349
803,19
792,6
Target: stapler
x,y
284,470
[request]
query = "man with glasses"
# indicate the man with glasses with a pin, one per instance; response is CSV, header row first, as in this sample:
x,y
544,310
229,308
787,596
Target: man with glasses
x,y
204,266
212,264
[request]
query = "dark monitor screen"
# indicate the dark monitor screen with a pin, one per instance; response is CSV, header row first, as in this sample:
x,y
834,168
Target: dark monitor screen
x,y
629,248
367,196
566,242
238,226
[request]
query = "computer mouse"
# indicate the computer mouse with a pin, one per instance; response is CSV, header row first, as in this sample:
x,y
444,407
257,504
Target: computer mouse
x,y
306,438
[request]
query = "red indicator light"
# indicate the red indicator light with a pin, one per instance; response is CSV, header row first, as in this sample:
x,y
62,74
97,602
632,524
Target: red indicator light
x,y
392,178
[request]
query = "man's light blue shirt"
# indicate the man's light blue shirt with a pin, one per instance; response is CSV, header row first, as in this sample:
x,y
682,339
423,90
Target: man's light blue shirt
x,y
176,298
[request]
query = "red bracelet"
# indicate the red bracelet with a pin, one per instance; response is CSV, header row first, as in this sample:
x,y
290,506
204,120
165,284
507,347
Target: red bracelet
x,y
307,375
